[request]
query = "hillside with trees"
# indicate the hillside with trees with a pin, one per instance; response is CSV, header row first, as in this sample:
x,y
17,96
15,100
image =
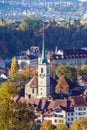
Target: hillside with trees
x,y
19,36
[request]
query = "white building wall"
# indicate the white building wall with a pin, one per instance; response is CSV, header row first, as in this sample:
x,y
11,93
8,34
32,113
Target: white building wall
x,y
80,112
59,117
69,118
43,80
32,62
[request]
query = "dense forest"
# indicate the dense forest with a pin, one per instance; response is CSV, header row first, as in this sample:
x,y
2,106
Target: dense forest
x,y
18,36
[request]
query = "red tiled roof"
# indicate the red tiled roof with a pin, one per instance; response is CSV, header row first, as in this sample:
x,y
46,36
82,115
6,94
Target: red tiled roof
x,y
48,113
79,101
45,106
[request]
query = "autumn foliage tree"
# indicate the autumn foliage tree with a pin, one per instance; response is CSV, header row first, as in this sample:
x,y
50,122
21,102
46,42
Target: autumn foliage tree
x,y
46,125
61,127
80,124
6,106
14,115
69,72
13,69
62,86
83,70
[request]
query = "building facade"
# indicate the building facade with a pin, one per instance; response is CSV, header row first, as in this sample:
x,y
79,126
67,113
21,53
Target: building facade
x,y
42,88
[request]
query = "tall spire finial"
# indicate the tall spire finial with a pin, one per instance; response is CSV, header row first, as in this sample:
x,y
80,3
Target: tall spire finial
x,y
44,59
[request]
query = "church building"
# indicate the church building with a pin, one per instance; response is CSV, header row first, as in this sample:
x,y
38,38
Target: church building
x,y
41,85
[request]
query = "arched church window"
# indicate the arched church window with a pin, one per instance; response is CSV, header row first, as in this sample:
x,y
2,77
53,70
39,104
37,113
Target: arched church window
x,y
32,90
41,70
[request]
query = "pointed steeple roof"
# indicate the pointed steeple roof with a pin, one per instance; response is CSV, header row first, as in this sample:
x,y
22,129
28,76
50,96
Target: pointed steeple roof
x,y
44,59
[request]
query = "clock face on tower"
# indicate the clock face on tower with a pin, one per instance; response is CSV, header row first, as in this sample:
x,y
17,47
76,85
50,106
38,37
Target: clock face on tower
x,y
42,75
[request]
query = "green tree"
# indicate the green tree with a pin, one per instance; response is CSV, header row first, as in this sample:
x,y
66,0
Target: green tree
x,y
14,115
62,86
61,127
83,70
28,23
69,72
6,105
13,69
23,117
64,24
46,125
80,124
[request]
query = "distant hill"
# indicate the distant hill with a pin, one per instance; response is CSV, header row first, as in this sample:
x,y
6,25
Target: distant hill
x,y
17,37
43,9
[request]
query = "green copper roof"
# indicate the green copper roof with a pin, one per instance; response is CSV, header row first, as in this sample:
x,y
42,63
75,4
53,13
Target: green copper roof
x,y
44,59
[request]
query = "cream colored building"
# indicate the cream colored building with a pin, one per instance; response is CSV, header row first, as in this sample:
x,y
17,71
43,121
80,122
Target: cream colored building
x,y
39,86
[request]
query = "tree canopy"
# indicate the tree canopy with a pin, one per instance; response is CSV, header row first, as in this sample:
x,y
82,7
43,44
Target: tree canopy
x,y
14,115
80,124
62,86
46,125
83,70
61,127
19,36
13,69
69,72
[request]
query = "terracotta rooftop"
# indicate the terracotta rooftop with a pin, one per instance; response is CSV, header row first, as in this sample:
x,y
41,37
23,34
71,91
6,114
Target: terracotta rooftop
x,y
79,101
47,106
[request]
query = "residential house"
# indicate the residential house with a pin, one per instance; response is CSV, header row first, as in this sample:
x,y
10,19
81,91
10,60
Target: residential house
x,y
59,111
27,60
71,57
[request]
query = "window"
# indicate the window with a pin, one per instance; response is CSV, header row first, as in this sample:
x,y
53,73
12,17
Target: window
x,y
68,119
32,90
79,109
58,111
68,114
61,121
54,115
41,70
41,93
61,116
79,113
71,114
29,95
71,119
84,108
55,121
41,88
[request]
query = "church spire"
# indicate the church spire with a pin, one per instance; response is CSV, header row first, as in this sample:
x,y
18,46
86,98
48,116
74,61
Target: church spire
x,y
44,59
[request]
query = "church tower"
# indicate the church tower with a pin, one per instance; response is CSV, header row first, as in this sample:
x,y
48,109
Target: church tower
x,y
43,74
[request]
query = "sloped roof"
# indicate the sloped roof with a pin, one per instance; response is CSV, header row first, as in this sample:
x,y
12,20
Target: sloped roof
x,y
79,101
33,82
46,106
